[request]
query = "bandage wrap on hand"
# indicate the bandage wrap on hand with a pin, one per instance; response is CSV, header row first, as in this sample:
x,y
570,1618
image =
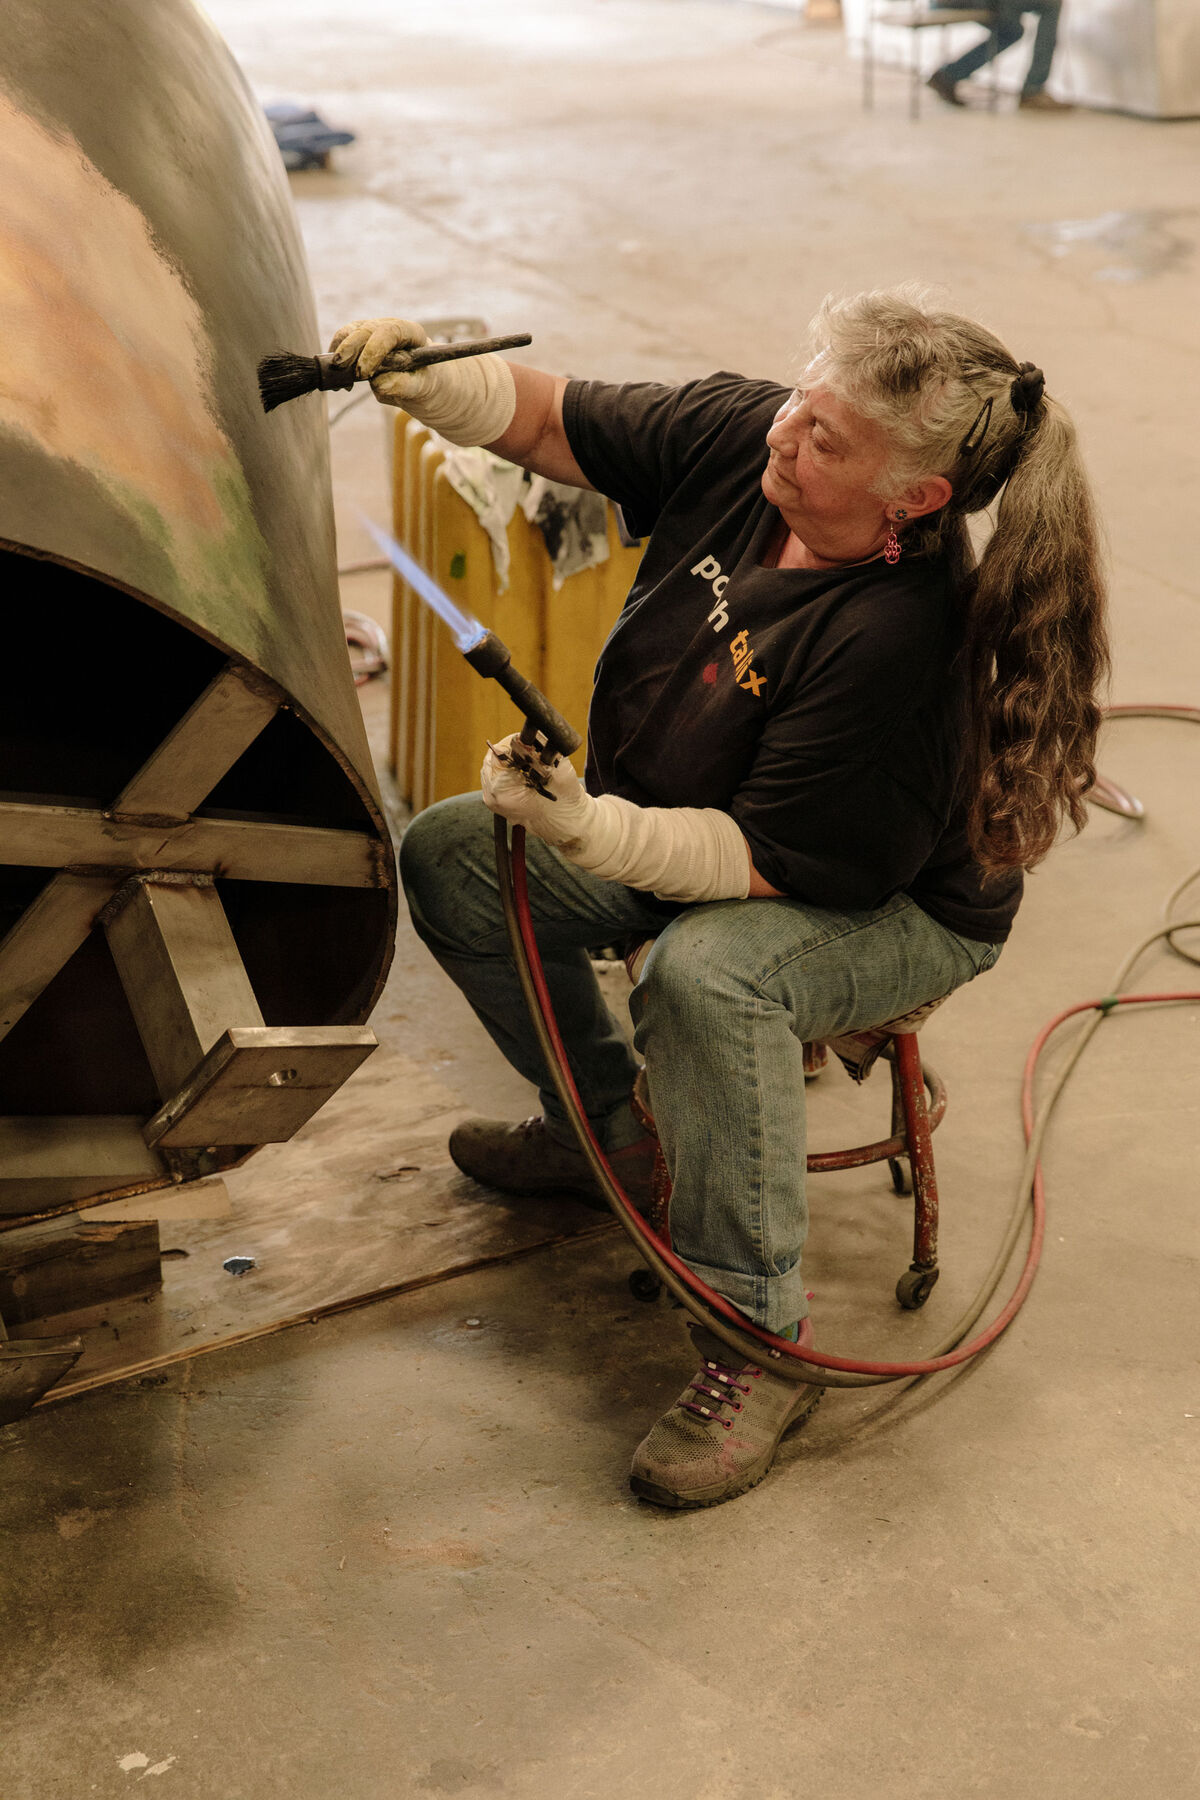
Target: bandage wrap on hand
x,y
471,401
683,853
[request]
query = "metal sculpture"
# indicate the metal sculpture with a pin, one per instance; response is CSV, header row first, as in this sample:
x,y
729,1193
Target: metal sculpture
x,y
197,890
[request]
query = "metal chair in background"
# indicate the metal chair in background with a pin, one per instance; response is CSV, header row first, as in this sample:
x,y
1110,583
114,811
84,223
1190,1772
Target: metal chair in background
x,y
916,19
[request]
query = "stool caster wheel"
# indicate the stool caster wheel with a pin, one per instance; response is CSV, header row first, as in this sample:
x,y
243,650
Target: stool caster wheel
x,y
645,1285
899,1178
915,1286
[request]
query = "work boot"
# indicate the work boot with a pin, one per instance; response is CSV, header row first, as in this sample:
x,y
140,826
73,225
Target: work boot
x,y
944,88
720,1437
1041,101
525,1159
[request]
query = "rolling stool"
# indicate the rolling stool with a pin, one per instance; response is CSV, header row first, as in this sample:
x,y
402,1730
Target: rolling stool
x,y
914,1119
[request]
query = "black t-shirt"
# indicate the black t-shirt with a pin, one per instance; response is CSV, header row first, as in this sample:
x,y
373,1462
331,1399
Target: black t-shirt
x,y
824,709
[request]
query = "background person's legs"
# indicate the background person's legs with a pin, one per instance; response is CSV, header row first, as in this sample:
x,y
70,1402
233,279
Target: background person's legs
x,y
1007,30
448,867
727,998
1049,12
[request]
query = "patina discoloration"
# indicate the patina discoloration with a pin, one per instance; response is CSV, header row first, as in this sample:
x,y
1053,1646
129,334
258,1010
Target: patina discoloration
x,y
148,258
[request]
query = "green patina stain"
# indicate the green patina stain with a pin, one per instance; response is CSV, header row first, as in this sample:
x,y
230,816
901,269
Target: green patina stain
x,y
217,578
458,565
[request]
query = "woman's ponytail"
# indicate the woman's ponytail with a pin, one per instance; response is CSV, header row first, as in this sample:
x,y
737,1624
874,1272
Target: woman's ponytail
x,y
1037,651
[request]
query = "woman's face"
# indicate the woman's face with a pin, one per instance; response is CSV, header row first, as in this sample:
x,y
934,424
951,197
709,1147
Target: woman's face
x,y
824,461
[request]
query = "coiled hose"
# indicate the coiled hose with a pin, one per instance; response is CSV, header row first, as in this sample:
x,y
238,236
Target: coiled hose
x,y
750,1342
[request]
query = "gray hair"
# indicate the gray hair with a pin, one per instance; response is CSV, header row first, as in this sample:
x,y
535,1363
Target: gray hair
x,y
924,376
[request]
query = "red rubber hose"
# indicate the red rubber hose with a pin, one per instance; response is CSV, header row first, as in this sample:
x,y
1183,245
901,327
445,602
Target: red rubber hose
x,y
717,1302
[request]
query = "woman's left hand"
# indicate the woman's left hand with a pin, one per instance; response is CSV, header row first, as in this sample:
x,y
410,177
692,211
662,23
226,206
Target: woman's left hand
x,y
682,853
561,820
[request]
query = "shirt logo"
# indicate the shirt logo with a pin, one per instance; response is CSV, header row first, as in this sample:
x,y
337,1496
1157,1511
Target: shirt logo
x,y
742,656
709,569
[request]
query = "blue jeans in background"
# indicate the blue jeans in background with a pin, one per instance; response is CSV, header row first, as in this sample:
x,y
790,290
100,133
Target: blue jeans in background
x,y
1007,31
727,998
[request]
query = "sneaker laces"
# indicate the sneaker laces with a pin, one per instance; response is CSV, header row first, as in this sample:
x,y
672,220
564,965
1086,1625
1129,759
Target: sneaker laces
x,y
718,1381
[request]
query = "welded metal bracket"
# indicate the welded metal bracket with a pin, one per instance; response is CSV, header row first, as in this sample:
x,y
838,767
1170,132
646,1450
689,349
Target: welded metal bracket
x,y
225,1077
259,1085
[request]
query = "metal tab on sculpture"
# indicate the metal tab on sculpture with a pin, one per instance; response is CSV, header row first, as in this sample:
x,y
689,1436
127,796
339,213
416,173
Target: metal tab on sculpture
x,y
197,892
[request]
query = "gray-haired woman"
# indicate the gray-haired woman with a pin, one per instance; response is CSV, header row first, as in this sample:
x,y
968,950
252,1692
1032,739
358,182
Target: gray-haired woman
x,y
823,746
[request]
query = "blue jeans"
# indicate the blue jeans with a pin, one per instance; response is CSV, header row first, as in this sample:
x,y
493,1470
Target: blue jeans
x,y
728,996
1008,30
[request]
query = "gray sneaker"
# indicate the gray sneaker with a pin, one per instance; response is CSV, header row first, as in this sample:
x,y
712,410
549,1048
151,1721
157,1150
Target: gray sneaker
x,y
525,1159
720,1437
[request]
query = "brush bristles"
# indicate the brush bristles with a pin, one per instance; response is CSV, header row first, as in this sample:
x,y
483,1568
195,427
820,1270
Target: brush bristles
x,y
285,376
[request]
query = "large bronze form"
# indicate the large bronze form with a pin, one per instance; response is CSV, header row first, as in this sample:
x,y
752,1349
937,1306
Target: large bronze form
x,y
197,891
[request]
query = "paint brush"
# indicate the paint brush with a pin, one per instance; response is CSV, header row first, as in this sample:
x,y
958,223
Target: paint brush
x,y
284,375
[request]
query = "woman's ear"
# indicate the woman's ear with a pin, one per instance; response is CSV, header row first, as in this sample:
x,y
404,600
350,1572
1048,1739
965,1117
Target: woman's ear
x,y
928,496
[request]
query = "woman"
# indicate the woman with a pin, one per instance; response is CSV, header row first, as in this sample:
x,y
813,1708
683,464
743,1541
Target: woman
x,y
823,746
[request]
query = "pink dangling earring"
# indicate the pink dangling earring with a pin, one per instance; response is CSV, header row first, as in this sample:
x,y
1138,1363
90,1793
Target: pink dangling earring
x,y
891,547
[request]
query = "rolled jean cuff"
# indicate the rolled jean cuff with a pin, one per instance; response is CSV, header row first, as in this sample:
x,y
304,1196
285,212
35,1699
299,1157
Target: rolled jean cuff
x,y
772,1301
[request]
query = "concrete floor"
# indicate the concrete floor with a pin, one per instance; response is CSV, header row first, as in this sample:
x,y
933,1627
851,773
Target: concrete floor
x,y
394,1555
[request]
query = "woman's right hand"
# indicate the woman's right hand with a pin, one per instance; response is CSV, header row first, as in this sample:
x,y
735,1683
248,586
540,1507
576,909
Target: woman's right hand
x,y
469,401
363,345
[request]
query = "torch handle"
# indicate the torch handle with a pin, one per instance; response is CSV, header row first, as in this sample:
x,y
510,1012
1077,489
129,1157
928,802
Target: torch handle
x,y
492,657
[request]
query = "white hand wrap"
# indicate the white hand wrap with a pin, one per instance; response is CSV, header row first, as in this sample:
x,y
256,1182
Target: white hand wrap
x,y
471,401
684,853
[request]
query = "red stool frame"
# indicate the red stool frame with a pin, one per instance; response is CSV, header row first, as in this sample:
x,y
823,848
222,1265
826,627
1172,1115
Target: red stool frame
x,y
914,1120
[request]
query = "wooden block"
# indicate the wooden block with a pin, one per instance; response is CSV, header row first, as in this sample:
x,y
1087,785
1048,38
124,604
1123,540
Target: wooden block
x,y
259,1086
467,712
60,1265
578,620
30,1366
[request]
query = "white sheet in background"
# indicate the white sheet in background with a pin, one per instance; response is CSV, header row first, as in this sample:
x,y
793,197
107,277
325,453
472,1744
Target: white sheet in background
x,y
574,523
1141,56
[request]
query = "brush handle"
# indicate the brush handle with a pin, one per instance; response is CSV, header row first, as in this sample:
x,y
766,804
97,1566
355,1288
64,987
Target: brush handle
x,y
335,377
403,362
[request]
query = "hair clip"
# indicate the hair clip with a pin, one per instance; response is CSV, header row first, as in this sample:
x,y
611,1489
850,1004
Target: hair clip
x,y
978,429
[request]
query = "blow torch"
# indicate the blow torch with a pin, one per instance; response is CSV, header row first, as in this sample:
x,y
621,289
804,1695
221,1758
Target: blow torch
x,y
545,732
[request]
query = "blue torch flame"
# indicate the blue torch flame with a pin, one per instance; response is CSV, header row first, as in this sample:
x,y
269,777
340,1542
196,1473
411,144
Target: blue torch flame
x,y
467,631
